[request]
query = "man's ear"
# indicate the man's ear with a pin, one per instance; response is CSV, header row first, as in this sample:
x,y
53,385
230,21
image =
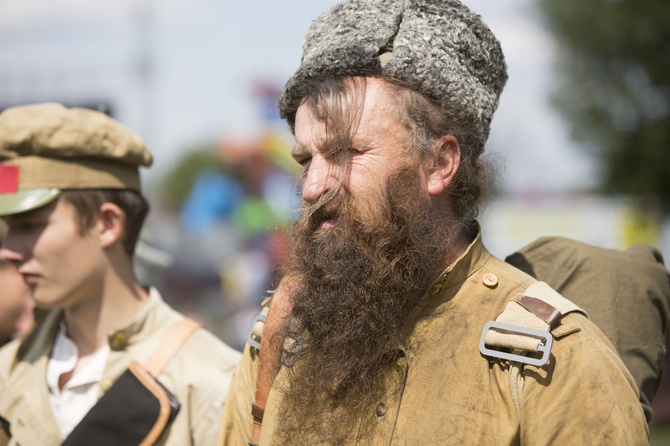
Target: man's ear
x,y
111,223
445,164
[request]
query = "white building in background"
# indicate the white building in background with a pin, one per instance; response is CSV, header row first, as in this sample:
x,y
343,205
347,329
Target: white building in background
x,y
512,221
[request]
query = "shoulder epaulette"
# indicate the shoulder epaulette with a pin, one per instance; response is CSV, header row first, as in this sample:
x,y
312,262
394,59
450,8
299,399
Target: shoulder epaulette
x,y
522,333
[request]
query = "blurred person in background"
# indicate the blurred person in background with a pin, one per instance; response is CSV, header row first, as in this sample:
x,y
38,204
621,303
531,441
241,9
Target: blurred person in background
x,y
109,359
235,221
16,305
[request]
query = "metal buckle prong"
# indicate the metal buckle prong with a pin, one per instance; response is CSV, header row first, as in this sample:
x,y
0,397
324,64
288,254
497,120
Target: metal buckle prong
x,y
260,317
545,341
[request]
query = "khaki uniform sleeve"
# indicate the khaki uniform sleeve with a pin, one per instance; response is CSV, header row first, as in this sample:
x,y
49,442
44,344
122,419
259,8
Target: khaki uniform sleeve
x,y
208,408
4,359
201,375
237,421
7,355
588,398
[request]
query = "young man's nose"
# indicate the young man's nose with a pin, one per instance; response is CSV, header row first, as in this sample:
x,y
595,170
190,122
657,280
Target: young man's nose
x,y
320,177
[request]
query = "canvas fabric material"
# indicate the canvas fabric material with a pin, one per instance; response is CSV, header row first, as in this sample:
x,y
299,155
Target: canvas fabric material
x,y
51,130
516,314
626,294
198,376
46,148
36,172
443,391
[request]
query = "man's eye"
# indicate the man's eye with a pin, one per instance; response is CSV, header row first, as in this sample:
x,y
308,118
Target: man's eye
x,y
304,162
26,225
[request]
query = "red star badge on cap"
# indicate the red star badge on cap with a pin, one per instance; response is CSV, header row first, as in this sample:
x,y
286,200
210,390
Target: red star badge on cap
x,y
9,179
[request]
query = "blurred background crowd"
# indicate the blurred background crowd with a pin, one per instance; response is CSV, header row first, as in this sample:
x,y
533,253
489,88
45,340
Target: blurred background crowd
x,y
581,134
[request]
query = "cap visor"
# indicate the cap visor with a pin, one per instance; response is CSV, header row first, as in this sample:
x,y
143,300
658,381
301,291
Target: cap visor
x,y
26,200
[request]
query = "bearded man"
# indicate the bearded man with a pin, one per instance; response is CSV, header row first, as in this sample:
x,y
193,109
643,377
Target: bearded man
x,y
372,336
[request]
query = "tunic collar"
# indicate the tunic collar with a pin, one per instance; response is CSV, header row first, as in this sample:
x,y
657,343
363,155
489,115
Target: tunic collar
x,y
124,337
472,259
445,287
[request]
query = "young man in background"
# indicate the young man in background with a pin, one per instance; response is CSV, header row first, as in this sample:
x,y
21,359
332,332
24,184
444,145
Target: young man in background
x,y
70,195
16,305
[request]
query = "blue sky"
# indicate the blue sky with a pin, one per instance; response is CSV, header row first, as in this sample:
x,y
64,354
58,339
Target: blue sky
x,y
205,56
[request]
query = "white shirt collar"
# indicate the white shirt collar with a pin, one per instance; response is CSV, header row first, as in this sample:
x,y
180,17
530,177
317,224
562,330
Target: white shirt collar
x,y
80,393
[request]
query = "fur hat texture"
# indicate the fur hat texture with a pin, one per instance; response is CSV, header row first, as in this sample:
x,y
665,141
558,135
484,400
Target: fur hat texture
x,y
438,47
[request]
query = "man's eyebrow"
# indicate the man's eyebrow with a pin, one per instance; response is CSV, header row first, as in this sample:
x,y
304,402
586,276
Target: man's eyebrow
x,y
328,145
297,149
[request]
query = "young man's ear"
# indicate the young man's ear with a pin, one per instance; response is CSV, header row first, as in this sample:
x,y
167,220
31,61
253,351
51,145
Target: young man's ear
x,y
111,224
446,162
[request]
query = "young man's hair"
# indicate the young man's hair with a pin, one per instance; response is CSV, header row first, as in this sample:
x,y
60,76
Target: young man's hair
x,y
334,101
87,203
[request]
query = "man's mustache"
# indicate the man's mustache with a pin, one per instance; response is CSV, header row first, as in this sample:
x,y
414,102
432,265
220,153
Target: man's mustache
x,y
327,208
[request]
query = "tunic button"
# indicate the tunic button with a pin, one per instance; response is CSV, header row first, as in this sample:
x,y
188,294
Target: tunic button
x,y
436,289
118,341
380,410
490,280
105,384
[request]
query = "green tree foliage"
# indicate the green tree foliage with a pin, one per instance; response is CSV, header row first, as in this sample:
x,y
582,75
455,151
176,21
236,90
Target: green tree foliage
x,y
178,182
614,88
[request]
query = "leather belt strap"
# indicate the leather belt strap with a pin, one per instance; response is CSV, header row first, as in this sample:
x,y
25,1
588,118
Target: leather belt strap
x,y
268,358
257,412
171,344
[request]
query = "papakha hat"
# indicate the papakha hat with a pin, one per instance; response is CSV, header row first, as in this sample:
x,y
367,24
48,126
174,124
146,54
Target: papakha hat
x,y
47,148
438,47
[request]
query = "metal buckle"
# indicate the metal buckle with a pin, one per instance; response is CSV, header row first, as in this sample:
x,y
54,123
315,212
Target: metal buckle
x,y
260,317
545,338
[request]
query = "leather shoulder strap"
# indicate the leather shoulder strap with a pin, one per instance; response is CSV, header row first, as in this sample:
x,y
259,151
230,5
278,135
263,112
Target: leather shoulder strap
x,y
170,345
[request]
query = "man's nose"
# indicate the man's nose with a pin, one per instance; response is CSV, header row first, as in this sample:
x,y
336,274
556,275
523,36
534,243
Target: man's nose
x,y
320,177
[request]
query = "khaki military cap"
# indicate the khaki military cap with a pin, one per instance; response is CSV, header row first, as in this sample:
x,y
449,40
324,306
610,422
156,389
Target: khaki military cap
x,y
47,148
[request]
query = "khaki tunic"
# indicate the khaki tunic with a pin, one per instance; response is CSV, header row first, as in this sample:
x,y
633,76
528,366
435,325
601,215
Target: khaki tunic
x,y
198,375
446,393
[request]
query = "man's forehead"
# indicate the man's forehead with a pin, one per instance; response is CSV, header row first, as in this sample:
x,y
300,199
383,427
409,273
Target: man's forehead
x,y
310,130
317,135
366,115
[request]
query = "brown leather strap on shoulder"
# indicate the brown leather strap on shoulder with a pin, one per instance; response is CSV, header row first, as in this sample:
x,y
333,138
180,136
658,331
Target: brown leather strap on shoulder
x,y
541,309
170,345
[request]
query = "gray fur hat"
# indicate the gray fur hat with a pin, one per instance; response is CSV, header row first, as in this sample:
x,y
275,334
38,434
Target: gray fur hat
x,y
438,47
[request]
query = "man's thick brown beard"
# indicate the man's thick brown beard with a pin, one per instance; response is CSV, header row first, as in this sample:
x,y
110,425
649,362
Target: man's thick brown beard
x,y
355,287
